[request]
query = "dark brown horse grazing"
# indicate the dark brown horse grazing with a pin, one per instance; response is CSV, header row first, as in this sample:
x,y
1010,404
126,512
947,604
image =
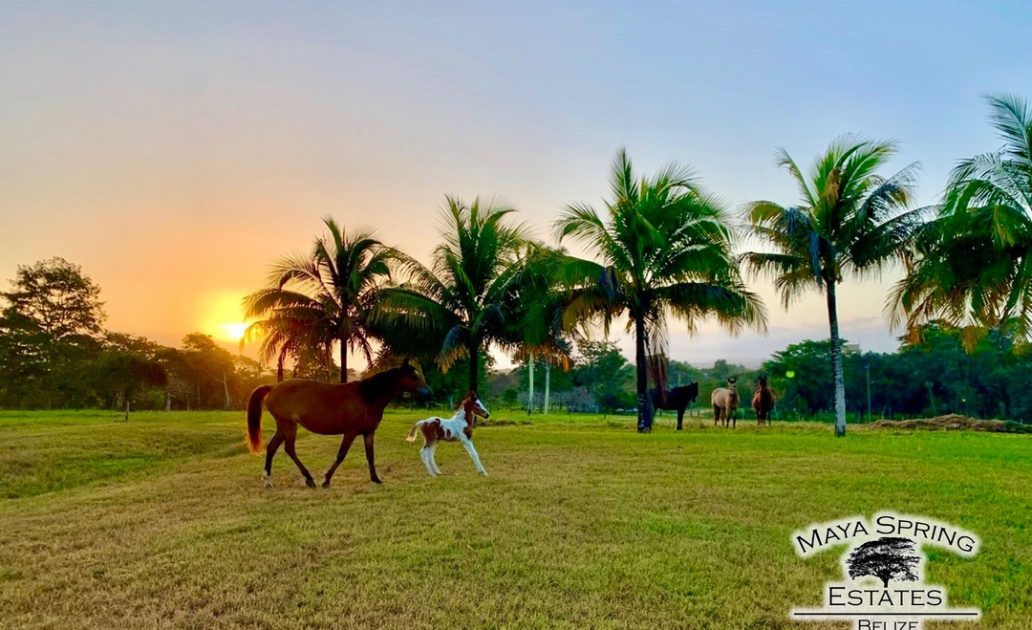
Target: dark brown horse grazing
x,y
676,399
351,409
762,401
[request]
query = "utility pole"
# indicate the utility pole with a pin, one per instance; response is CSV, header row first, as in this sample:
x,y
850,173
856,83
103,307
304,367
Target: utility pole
x,y
548,378
867,368
530,376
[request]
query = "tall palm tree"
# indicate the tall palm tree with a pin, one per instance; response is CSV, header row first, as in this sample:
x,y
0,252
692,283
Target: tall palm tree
x,y
465,297
661,247
972,265
850,221
537,306
323,298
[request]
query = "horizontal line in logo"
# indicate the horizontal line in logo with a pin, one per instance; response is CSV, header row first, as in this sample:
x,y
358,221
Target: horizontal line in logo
x,y
819,613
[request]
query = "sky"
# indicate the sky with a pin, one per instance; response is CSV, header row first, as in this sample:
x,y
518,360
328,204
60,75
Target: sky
x,y
176,149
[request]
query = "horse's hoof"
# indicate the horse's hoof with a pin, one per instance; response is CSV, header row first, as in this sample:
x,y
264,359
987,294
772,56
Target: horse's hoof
x,y
310,482
483,473
375,480
326,484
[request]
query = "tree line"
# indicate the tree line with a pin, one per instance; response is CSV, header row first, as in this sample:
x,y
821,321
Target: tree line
x,y
659,248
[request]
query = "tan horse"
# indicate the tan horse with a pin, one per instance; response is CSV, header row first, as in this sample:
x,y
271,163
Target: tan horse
x,y
763,401
351,409
725,403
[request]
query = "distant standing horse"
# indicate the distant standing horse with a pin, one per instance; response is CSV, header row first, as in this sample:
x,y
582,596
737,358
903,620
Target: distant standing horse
x,y
763,401
676,399
458,427
351,409
725,403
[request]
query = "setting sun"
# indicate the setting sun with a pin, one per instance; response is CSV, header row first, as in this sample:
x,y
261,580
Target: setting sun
x,y
233,331
220,315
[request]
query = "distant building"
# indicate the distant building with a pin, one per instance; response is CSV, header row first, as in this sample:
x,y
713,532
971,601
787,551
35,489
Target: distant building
x,y
850,348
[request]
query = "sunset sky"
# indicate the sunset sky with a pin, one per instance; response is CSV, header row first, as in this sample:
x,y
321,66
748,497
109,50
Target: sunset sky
x,y
175,150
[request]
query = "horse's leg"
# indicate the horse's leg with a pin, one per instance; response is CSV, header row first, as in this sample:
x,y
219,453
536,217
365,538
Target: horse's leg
x,y
472,453
368,438
345,444
270,452
424,454
289,438
680,418
432,456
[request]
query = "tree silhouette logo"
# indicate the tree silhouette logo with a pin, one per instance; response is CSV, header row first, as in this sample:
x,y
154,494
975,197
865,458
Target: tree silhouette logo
x,y
886,559
883,584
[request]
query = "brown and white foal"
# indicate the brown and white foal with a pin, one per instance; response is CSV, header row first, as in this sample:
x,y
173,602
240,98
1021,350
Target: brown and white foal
x,y
459,427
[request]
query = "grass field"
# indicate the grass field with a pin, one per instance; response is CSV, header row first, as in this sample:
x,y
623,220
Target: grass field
x,y
163,521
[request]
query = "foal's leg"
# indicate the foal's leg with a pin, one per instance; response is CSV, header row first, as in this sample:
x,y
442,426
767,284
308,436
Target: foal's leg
x,y
368,438
424,454
472,453
345,444
270,452
432,457
289,438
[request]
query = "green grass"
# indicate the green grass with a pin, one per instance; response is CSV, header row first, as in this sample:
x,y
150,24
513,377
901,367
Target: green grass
x,y
163,521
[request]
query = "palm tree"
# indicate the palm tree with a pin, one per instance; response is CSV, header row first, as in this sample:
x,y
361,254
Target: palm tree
x,y
662,247
464,299
322,298
538,305
850,221
972,265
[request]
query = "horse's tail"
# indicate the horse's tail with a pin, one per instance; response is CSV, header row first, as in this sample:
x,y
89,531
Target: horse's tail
x,y
411,437
254,417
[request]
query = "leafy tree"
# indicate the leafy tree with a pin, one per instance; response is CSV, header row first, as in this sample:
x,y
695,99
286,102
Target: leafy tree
x,y
662,247
50,321
972,265
605,373
322,298
211,369
850,221
127,366
885,558
463,301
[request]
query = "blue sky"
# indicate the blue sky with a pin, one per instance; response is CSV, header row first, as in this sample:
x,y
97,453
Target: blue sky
x,y
176,149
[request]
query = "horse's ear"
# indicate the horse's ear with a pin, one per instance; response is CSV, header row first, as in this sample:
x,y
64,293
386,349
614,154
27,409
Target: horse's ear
x,y
405,363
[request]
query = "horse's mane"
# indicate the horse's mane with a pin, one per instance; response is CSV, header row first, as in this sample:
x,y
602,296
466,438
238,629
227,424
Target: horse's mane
x,y
378,383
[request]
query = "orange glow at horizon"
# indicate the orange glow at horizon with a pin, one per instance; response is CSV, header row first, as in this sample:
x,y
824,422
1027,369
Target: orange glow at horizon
x,y
221,316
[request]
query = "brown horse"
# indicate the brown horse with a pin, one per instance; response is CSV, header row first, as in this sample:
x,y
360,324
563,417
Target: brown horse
x,y
762,401
725,403
351,409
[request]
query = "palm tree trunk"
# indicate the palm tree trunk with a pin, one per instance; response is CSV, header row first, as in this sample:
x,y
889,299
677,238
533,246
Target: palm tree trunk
x,y
343,360
644,406
225,386
530,389
836,362
548,379
474,359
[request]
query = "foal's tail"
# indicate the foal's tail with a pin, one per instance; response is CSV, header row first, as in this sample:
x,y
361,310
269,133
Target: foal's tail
x,y
412,432
254,417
